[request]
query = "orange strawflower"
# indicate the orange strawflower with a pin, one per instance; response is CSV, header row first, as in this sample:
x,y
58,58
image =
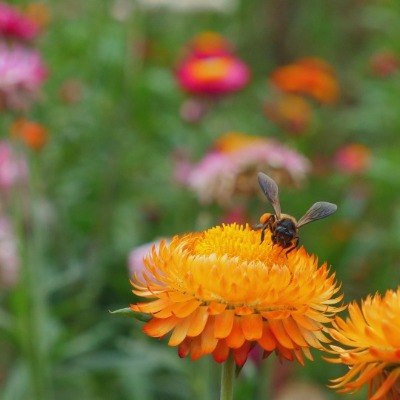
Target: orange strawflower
x,y
310,76
369,343
222,291
34,135
292,112
39,13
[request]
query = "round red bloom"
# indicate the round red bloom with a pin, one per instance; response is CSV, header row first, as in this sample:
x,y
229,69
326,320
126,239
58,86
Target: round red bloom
x,y
353,158
212,75
33,134
16,25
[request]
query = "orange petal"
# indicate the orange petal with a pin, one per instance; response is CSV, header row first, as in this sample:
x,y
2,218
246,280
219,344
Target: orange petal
x,y
235,338
307,322
280,334
159,327
221,352
293,331
299,355
215,308
208,340
386,385
184,348
252,326
198,321
150,307
310,338
240,354
179,333
267,340
285,353
243,310
195,349
182,310
223,324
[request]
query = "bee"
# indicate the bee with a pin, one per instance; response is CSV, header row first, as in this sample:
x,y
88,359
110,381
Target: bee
x,y
283,227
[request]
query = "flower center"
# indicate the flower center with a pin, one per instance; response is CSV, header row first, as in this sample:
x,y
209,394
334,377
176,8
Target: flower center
x,y
211,69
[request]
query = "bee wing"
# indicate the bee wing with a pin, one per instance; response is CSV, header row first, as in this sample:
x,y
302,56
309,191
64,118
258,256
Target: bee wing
x,y
270,189
318,210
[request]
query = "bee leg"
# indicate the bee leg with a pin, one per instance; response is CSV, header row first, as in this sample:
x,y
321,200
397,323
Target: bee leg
x,y
263,234
293,246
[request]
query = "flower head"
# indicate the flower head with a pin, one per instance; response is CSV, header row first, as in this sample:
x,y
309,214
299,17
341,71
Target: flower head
x,y
213,75
231,166
222,291
209,44
309,76
16,25
292,112
39,13
211,68
384,63
353,158
9,258
13,169
33,134
369,343
22,73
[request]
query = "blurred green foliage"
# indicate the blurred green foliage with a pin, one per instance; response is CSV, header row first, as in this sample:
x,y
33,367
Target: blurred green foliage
x,y
105,183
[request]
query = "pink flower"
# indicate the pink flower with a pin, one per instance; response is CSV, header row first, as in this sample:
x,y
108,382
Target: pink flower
x,y
211,68
22,73
16,25
353,158
9,260
13,169
138,254
231,168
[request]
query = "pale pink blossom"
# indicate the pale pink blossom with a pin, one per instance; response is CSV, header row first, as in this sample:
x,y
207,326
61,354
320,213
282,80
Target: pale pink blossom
x,y
13,168
22,72
225,172
138,254
9,258
14,24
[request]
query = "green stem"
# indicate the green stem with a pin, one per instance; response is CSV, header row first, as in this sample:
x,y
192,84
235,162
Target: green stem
x,y
227,377
32,294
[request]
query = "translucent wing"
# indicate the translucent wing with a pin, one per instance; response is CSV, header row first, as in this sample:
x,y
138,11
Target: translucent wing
x,y
318,210
270,189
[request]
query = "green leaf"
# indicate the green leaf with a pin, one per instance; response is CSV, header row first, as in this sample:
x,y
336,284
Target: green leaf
x,y
129,313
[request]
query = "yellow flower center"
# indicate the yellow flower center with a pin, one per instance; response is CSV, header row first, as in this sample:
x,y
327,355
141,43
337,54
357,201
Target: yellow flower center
x,y
229,264
234,141
211,69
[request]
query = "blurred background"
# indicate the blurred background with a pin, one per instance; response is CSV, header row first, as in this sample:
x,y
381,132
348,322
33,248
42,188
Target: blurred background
x,y
125,121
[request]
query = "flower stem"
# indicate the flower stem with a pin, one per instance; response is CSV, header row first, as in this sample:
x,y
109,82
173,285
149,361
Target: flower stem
x,y
227,376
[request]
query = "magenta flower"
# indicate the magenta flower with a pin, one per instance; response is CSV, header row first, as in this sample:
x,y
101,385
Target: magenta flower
x,y
231,167
13,169
22,73
15,25
213,75
211,68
